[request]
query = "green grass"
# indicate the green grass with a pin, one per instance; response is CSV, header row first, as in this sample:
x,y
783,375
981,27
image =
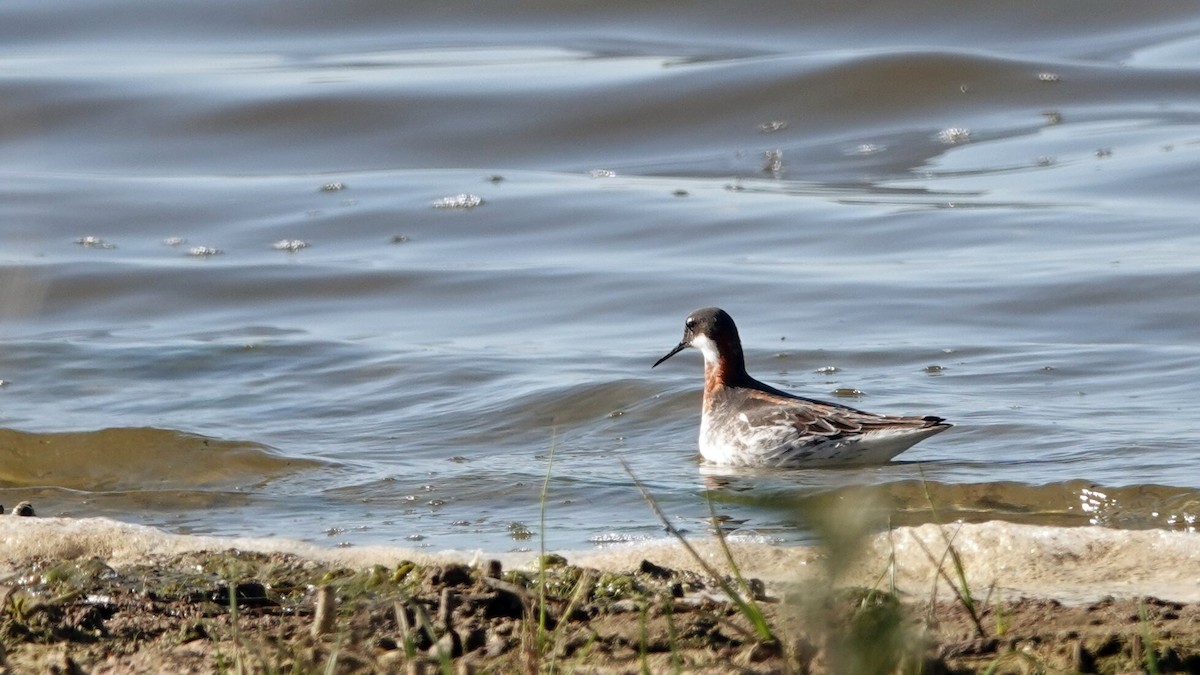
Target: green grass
x,y
744,601
1148,649
544,639
961,589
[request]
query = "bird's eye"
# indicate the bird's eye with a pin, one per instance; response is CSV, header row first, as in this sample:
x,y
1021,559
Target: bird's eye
x,y
690,323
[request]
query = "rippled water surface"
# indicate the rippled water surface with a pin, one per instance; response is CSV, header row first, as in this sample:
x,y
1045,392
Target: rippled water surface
x,y
351,274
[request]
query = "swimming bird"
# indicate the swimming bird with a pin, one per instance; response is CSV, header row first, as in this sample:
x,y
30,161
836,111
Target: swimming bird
x,y
747,423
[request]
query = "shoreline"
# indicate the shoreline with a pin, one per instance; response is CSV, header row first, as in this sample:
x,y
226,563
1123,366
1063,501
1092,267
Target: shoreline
x,y
99,596
1072,565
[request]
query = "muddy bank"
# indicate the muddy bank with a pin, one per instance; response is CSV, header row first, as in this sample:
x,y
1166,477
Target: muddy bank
x,y
273,612
97,596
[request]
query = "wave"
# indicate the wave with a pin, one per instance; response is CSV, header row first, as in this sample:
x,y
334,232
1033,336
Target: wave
x,y
138,458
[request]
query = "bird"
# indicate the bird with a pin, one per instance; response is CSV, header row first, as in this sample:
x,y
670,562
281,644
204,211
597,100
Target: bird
x,y
747,423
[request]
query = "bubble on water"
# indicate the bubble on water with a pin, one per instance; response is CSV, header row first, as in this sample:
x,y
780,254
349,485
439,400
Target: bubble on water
x,y
752,536
93,242
772,126
459,201
1093,502
617,539
827,370
1052,116
333,187
519,531
773,161
848,392
935,369
602,173
866,149
290,245
204,251
1186,520
1048,77
174,241
954,135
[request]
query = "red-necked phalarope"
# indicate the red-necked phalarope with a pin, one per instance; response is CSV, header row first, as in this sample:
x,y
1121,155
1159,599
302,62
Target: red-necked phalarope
x,y
747,423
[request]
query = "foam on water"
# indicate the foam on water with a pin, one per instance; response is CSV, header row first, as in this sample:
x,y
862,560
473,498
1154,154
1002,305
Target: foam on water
x,y
31,539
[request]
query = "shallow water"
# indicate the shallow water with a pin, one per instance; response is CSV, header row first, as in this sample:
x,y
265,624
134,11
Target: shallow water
x,y
986,214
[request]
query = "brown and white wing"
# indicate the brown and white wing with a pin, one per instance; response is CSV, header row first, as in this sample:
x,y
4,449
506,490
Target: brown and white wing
x,y
793,431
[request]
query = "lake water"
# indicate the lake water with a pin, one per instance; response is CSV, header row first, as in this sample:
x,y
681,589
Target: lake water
x,y
352,273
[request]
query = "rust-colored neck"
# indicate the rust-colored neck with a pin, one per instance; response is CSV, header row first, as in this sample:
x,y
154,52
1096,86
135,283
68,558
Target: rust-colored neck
x,y
729,370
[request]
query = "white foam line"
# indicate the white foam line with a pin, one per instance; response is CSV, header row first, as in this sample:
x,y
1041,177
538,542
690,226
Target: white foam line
x,y
23,540
1069,564
1073,565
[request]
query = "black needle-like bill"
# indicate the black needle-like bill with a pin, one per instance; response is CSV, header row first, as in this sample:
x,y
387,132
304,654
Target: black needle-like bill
x,y
678,348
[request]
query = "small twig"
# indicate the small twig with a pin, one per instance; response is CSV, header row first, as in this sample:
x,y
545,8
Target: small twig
x,y
323,619
508,587
7,592
406,637
586,581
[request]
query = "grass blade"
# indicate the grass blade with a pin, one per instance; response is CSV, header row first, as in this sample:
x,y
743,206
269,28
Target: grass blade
x,y
748,608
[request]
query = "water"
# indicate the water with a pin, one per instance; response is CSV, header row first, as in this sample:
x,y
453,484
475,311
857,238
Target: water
x,y
870,191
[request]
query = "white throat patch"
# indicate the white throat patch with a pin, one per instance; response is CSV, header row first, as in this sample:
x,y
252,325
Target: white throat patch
x,y
708,348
